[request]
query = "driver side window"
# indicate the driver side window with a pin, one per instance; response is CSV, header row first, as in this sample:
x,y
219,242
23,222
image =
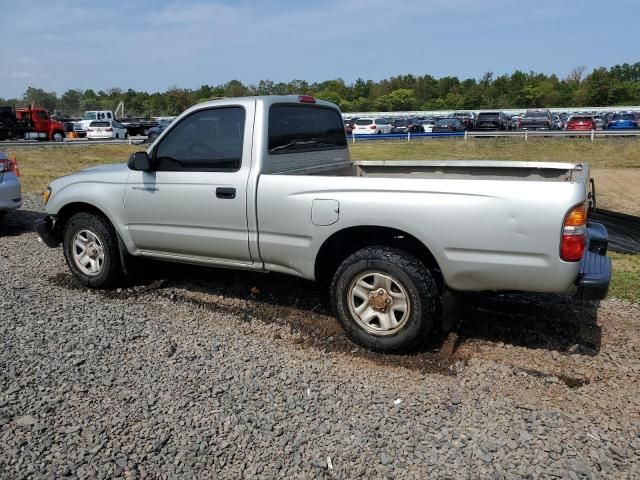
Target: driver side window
x,y
205,141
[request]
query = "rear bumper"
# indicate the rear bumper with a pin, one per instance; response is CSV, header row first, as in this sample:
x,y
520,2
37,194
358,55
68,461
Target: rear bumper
x,y
10,192
45,229
595,267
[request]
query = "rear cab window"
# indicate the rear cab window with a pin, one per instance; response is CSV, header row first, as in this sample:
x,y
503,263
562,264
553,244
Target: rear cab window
x,y
296,128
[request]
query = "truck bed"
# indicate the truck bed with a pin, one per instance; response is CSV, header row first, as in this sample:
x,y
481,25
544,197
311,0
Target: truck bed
x,y
452,169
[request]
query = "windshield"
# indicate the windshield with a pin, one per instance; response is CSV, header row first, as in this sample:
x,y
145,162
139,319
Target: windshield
x,y
364,121
89,116
488,116
99,124
581,118
400,123
445,121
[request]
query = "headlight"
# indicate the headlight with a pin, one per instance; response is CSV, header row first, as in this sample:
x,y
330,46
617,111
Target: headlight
x,y
46,194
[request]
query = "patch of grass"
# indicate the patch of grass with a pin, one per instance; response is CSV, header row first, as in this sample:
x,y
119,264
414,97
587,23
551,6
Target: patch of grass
x,y
40,165
602,153
625,282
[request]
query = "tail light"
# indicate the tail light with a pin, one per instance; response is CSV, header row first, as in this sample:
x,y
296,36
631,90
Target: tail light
x,y
373,127
574,234
109,129
9,165
306,99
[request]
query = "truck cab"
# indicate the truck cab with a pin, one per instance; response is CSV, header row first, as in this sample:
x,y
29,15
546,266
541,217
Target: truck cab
x,y
43,127
90,116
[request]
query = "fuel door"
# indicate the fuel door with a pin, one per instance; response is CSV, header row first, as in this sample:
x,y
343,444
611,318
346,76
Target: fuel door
x,y
325,212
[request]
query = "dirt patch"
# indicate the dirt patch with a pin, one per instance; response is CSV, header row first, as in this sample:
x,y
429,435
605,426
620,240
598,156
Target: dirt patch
x,y
618,189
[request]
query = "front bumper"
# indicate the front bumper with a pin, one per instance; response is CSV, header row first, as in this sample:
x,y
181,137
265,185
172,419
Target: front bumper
x,y
45,229
595,267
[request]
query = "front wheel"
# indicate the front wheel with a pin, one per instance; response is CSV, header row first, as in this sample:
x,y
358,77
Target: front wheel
x,y
91,250
58,137
385,299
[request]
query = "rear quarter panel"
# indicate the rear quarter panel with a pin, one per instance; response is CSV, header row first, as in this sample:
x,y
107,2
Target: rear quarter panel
x,y
484,234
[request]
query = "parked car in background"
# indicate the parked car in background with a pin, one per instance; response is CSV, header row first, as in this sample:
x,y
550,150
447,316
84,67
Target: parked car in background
x,y
154,132
404,125
369,126
558,123
581,122
492,121
399,125
599,121
448,125
623,121
468,119
89,116
428,124
10,189
101,129
349,124
537,120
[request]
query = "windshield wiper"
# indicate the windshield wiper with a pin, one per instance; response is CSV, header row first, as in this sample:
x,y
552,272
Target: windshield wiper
x,y
302,143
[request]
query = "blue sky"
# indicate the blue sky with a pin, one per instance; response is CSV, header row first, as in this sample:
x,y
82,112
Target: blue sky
x,y
152,45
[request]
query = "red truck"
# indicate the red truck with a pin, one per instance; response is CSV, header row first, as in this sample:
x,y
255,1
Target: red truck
x,y
29,124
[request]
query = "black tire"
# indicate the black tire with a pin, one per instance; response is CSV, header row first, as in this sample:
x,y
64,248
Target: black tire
x,y
414,277
58,137
111,270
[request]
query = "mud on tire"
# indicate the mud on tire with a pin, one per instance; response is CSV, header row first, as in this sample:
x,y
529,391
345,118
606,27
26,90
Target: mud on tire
x,y
407,281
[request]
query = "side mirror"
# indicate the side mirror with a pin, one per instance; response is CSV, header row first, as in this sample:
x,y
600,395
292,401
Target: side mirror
x,y
139,161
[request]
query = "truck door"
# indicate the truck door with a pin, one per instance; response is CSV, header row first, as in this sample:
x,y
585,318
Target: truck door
x,y
194,202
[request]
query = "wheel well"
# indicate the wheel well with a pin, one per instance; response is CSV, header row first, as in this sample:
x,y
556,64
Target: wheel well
x,y
71,209
345,242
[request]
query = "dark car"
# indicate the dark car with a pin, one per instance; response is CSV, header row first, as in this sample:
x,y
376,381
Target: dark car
x,y
492,121
468,119
447,125
404,125
623,121
154,132
537,120
349,124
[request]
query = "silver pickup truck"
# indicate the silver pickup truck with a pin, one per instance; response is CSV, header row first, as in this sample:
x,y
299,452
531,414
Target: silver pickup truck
x,y
266,184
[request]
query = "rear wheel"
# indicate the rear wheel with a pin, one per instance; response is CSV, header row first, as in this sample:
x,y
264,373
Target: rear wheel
x,y
385,299
91,250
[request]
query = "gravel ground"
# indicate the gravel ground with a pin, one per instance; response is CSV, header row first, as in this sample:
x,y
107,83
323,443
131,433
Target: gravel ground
x,y
199,373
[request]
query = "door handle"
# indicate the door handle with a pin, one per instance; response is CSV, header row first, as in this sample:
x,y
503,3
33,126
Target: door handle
x,y
226,192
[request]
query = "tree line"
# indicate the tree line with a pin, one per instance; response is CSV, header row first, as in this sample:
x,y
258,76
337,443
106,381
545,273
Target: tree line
x,y
617,85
